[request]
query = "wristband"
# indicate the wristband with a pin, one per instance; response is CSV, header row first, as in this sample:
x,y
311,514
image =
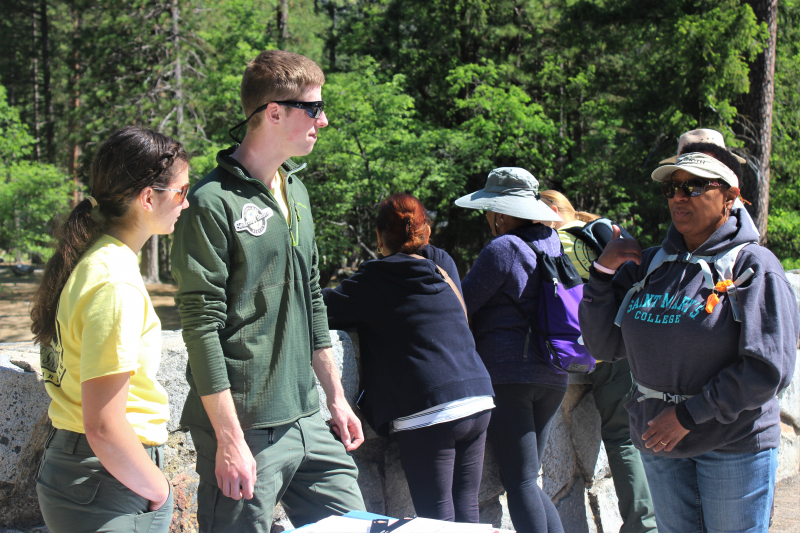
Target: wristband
x,y
604,270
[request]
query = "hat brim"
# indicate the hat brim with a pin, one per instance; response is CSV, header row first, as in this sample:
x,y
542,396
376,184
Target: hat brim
x,y
662,174
526,208
674,159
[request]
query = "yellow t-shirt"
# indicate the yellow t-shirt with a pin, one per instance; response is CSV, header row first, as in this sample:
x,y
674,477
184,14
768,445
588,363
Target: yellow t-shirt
x,y
107,325
581,255
279,192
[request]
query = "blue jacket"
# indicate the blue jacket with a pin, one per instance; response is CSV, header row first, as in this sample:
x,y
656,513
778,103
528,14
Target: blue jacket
x,y
416,348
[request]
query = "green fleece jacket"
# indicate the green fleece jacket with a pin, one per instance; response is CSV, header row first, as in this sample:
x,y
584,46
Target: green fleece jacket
x,y
249,296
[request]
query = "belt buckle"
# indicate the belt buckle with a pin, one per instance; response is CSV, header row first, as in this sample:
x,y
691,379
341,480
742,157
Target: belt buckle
x,y
673,398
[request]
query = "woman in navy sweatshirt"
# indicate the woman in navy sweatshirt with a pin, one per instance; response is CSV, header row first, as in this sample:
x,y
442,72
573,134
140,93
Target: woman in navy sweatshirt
x,y
710,333
423,380
528,392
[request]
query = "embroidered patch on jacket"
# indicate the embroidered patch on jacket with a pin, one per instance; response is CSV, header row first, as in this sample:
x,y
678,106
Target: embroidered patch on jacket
x,y
254,220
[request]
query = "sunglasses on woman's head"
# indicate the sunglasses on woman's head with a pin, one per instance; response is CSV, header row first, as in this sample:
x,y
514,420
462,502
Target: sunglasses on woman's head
x,y
183,191
690,187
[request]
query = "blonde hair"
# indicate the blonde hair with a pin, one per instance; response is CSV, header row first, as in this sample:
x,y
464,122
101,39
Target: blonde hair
x,y
565,209
276,75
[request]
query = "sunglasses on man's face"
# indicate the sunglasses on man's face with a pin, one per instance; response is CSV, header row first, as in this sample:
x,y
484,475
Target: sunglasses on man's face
x,y
314,110
183,191
691,187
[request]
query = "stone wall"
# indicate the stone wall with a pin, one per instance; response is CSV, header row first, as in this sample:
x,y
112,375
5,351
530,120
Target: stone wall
x,y
575,471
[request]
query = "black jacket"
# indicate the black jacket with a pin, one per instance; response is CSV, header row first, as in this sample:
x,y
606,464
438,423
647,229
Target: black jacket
x,y
416,347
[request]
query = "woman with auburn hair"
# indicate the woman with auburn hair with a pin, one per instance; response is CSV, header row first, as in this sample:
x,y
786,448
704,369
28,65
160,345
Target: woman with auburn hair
x,y
100,343
612,386
424,383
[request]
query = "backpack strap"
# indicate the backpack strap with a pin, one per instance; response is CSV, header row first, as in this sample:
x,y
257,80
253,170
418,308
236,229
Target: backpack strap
x,y
724,266
660,258
723,263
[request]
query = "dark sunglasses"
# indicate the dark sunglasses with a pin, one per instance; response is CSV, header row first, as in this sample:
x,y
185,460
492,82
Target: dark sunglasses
x,y
690,187
314,110
183,191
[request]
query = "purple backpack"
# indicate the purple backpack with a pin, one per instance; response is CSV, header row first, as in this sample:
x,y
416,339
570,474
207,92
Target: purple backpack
x,y
556,322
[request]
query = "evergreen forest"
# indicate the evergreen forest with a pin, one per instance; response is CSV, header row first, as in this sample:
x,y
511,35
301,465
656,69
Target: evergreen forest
x,y
423,96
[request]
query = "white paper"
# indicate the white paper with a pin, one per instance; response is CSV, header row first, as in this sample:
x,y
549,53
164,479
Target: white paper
x,y
339,524
426,525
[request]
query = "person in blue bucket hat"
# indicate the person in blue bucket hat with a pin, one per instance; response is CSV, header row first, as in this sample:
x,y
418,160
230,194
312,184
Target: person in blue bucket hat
x,y
528,391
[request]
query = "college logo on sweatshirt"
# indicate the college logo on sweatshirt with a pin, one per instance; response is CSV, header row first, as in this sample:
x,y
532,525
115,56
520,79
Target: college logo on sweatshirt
x,y
254,220
646,308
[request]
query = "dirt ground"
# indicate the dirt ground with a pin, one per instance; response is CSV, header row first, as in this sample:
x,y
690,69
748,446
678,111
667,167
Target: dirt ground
x,y
787,506
16,293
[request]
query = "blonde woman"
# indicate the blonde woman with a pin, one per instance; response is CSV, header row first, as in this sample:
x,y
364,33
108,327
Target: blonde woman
x,y
612,385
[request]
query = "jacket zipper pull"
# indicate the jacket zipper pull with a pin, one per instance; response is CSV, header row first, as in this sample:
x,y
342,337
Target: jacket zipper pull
x,y
270,436
555,286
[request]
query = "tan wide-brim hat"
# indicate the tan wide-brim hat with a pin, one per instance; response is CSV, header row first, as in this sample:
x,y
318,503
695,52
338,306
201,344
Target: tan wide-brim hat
x,y
700,165
510,191
703,135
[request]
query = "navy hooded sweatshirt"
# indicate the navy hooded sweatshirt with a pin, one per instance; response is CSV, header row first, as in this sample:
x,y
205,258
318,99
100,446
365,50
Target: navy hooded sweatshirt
x,y
416,347
733,370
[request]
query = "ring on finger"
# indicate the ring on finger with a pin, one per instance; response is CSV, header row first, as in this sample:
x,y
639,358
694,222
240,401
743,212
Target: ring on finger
x,y
662,442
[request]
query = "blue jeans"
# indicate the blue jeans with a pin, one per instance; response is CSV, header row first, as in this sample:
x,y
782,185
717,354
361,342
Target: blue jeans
x,y
714,492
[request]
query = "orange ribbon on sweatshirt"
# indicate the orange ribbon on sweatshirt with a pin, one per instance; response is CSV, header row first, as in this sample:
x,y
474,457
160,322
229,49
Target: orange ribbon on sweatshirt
x,y
713,299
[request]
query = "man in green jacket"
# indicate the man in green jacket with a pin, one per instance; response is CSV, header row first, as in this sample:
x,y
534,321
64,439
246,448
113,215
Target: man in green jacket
x,y
254,321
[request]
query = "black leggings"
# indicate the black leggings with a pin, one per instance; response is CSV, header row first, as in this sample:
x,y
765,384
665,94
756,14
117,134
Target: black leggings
x,y
443,464
518,433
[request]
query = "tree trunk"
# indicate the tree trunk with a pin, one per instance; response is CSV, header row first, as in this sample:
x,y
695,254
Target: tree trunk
x,y
757,110
74,101
149,263
178,70
49,131
283,22
164,264
34,48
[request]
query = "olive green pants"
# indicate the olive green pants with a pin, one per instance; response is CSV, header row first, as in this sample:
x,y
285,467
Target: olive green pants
x,y
612,385
300,464
77,494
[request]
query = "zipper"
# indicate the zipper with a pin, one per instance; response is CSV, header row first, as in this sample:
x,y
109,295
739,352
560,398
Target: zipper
x,y
555,286
289,200
270,436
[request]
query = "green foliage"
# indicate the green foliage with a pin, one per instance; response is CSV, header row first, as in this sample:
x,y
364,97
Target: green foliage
x,y
783,229
15,141
31,194
423,96
373,146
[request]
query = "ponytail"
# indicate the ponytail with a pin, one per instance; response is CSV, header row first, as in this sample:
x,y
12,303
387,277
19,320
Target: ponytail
x,y
565,209
75,235
583,216
129,161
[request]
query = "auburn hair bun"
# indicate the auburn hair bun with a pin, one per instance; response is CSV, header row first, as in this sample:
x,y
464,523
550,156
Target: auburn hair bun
x,y
403,223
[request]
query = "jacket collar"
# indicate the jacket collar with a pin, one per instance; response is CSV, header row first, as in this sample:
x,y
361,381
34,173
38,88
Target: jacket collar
x,y
232,166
